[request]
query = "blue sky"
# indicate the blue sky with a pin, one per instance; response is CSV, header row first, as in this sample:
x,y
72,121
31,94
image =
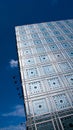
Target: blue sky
x,y
14,13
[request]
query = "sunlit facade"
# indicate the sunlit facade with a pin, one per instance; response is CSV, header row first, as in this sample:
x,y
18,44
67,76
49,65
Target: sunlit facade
x,y
45,52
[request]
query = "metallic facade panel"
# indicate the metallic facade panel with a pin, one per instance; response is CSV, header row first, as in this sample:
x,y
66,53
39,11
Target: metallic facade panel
x,y
45,53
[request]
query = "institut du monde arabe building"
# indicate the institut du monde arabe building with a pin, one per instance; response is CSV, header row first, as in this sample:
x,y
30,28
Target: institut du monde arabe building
x,y
45,53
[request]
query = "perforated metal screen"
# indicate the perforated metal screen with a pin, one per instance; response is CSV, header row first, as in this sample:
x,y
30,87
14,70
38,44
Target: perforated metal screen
x,y
45,53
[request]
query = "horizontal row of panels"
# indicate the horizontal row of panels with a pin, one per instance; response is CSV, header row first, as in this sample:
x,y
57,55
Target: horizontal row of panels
x,y
40,52
47,42
46,70
46,26
54,58
49,104
51,85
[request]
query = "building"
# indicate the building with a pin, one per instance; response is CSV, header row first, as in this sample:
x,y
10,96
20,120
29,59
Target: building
x,y
45,52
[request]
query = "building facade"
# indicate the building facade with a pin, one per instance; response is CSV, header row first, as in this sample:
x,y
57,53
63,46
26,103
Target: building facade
x,y
45,52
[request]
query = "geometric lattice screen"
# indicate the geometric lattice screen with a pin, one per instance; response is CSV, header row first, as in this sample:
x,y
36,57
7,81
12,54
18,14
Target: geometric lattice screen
x,y
45,52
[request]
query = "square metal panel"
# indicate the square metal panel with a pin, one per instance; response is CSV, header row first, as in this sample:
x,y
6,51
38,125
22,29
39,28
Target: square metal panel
x,y
48,69
65,45
40,50
69,79
29,61
35,36
34,88
45,34
56,32
54,47
49,40
59,56
24,44
70,36
61,101
66,31
44,58
40,107
27,52
64,66
60,38
37,42
70,53
31,72
54,83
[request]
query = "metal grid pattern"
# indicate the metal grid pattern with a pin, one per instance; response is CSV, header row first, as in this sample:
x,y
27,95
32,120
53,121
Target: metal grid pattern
x,y
45,53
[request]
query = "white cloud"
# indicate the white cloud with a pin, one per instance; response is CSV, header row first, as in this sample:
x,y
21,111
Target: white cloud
x,y
18,111
13,63
18,127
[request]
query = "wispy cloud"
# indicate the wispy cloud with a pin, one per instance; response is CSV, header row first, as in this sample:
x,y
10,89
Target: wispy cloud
x,y
17,111
18,127
13,63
